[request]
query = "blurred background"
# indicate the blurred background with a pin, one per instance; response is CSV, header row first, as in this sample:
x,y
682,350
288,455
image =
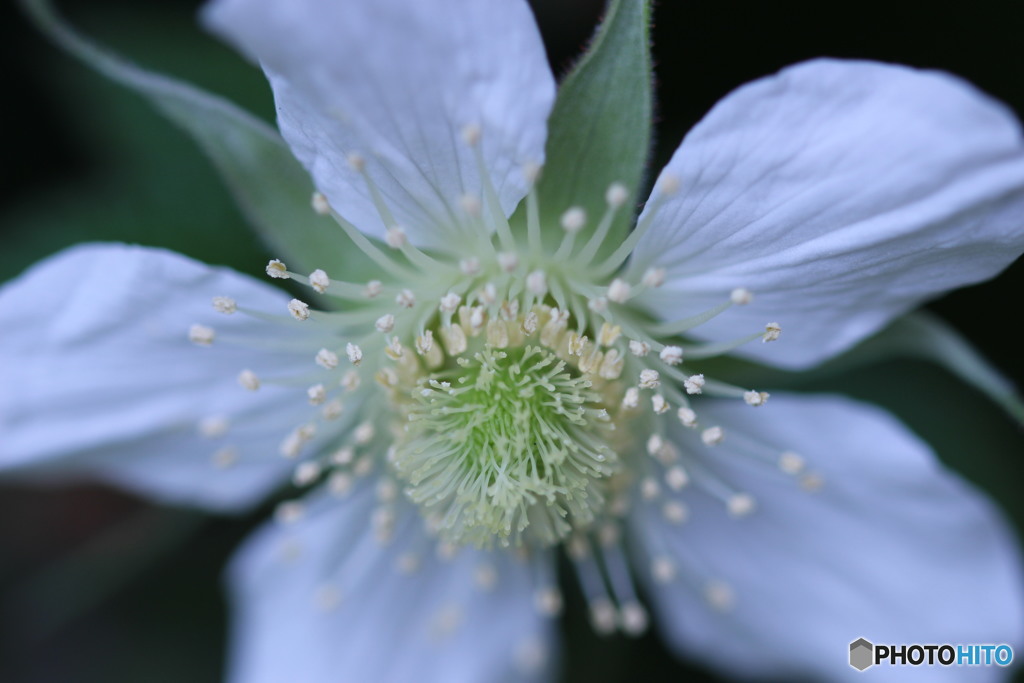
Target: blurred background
x,y
99,587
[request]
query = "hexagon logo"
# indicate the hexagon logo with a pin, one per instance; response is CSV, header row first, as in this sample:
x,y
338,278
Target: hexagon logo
x,y
862,654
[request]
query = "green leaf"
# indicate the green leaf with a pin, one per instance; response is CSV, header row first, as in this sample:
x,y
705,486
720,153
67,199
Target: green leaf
x,y
269,185
600,128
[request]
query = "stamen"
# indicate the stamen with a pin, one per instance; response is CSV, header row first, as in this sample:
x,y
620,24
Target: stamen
x,y
317,394
756,398
673,355
712,436
405,299
201,335
619,291
649,379
249,380
354,353
319,281
385,323
327,359
653,277
373,289
687,417
298,309
224,304
320,204
639,348
694,384
277,269
741,296
213,427
771,332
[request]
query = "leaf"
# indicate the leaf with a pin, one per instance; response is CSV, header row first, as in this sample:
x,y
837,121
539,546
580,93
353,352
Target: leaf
x,y
268,183
599,131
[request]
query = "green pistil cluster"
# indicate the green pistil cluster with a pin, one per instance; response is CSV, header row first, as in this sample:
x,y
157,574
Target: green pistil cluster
x,y
507,447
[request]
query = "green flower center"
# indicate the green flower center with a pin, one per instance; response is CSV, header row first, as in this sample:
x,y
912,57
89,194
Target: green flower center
x,y
507,446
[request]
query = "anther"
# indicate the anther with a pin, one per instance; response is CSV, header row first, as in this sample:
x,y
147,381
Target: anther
x,y
687,417
333,409
471,135
289,512
712,436
598,304
470,266
602,616
771,332
649,379
470,204
740,505
619,291
395,237
277,269
616,195
317,394
548,601
741,296
639,348
306,473
530,323
224,304
654,444
659,404
633,618
672,355
350,380
609,334
356,161
213,426
649,489
225,457
319,281
719,595
653,277
537,283
668,184
201,334
249,380
385,323
663,569
372,289
694,384
320,204
394,349
327,359
363,434
755,398
354,353
790,462
450,302
405,299
298,309
675,512
573,219
676,478
486,577
340,484
327,598
631,399
508,261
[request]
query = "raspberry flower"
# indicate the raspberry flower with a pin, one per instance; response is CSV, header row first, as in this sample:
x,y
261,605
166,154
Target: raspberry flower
x,y
488,360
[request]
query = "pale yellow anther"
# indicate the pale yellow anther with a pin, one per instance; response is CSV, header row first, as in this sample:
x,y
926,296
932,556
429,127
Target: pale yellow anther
x,y
655,444
333,409
350,380
320,204
425,342
354,353
476,319
694,384
298,309
755,398
373,289
791,463
591,358
653,277
224,304
659,405
277,269
631,399
687,417
497,334
649,379
771,332
306,473
201,335
509,310
573,219
530,323
317,394
405,299
619,291
616,195
668,184
598,304
450,302
394,350
537,283
327,359
639,348
712,436
470,266
609,334
454,339
319,281
356,161
740,504
575,344
363,434
343,456
385,323
611,366
531,172
676,478
249,380
395,237
741,296
672,355
508,261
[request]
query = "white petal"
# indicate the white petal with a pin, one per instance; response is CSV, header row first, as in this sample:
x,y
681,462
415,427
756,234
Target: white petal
x,y
841,194
892,548
323,600
397,82
98,377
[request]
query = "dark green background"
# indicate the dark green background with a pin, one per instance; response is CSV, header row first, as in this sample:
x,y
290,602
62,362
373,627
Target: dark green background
x,y
98,587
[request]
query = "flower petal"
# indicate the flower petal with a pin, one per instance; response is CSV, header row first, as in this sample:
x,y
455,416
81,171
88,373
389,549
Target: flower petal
x,y
99,377
397,82
892,548
323,600
841,194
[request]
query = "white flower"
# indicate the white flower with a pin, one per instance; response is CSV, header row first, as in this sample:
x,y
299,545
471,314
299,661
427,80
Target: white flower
x,y
492,407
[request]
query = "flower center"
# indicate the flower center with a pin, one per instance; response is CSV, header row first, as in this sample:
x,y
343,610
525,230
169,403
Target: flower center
x,y
508,443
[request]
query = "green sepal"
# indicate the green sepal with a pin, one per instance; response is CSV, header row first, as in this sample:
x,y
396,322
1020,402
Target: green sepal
x,y
599,131
268,183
